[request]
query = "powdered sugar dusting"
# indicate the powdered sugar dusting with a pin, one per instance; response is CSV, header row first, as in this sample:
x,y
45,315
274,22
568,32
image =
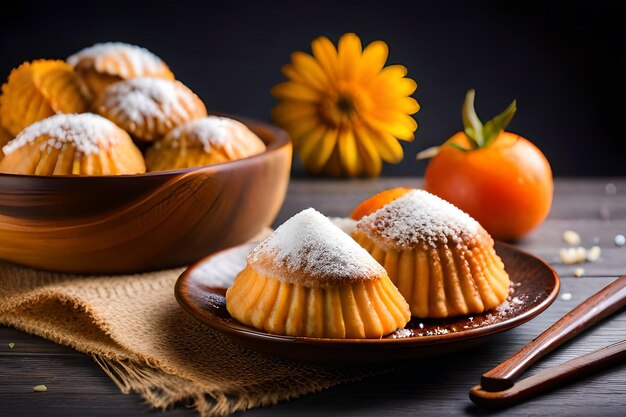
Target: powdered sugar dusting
x,y
309,249
516,304
418,217
142,98
211,131
87,132
125,60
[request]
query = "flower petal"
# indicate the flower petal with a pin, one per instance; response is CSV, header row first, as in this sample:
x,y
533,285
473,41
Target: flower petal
x,y
302,127
388,147
308,143
322,152
333,167
309,70
295,91
373,60
397,118
348,153
290,111
386,79
326,54
290,72
349,55
396,130
372,164
407,105
405,86
394,71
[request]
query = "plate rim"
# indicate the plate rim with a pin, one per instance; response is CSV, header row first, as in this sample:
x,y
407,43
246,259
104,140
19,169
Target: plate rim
x,y
241,330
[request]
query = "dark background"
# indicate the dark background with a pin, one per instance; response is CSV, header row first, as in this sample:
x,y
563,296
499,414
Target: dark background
x,y
564,62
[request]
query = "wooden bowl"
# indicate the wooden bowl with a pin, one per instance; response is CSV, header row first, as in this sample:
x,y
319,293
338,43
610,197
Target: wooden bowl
x,y
201,288
135,223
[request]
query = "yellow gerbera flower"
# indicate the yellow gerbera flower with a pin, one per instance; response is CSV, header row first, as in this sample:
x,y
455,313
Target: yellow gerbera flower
x,y
345,110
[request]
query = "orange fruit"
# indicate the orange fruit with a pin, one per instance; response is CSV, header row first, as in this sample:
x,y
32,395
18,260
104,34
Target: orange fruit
x,y
377,201
502,179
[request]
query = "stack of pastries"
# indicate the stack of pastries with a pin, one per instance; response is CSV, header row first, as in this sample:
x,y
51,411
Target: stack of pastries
x,y
93,114
417,255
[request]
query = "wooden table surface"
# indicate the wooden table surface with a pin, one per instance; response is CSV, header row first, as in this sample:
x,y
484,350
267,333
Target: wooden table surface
x,y
77,386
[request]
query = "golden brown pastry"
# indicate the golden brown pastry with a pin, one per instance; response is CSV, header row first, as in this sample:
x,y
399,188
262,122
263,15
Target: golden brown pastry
x,y
148,108
39,89
201,142
442,261
102,64
311,279
5,137
72,144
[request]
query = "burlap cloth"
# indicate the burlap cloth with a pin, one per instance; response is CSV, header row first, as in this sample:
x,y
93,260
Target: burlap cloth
x,y
134,329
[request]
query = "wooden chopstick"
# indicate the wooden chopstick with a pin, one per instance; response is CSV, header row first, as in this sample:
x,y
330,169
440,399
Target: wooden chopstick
x,y
498,387
597,307
549,379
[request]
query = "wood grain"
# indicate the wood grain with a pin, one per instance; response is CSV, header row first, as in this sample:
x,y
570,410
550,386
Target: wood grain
x,y
601,305
549,379
574,199
122,224
77,387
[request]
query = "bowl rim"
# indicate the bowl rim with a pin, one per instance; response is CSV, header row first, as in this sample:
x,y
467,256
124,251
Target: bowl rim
x,y
280,141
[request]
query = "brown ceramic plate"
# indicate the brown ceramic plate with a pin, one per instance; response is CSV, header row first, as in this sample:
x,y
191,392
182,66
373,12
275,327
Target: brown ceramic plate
x,y
201,288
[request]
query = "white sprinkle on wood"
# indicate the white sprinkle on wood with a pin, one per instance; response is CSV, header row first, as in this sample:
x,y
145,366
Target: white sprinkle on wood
x,y
571,237
593,254
571,256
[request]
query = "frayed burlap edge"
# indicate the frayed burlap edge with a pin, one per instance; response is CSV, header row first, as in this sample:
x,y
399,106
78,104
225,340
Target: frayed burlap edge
x,y
134,374
162,390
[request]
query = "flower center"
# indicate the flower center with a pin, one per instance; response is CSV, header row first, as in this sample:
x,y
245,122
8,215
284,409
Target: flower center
x,y
344,106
